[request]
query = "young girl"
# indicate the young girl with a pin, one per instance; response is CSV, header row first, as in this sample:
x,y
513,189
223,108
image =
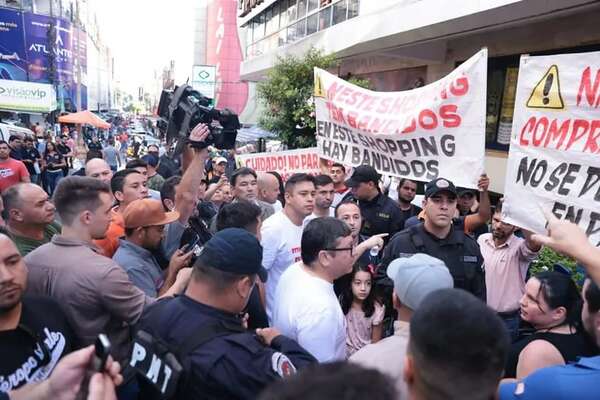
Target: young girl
x,y
364,315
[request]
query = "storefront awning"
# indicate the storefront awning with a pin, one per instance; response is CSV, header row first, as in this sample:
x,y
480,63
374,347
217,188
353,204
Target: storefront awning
x,y
84,117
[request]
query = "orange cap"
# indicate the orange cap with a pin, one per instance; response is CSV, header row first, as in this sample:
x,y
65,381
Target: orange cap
x,y
147,212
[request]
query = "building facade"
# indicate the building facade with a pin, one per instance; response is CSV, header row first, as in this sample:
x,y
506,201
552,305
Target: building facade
x,y
400,44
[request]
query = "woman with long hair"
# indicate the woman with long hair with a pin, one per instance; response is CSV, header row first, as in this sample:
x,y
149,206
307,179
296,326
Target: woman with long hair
x,y
552,306
54,163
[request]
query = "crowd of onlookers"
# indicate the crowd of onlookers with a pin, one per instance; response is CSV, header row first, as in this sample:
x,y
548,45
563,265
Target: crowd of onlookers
x,y
212,281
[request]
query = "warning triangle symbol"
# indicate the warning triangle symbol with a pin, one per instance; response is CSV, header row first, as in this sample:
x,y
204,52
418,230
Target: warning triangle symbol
x,y
319,91
546,94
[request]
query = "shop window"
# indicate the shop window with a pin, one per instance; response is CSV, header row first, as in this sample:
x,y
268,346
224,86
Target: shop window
x,y
301,29
313,5
500,106
292,11
291,33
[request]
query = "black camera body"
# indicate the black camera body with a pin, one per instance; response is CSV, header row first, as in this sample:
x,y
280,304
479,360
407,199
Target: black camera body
x,y
184,108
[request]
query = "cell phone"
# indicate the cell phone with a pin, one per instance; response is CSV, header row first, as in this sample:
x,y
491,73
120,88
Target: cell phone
x,y
101,353
191,245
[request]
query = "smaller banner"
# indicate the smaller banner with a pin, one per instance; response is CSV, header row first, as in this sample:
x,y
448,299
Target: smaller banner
x,y
554,161
433,131
204,79
285,163
13,57
27,96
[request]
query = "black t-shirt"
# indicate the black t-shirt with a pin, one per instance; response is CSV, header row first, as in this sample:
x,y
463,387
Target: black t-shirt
x,y
63,148
54,159
413,211
31,351
32,155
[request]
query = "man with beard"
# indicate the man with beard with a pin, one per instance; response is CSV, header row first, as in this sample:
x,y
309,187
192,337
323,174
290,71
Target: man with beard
x,y
34,332
30,216
506,260
145,222
407,190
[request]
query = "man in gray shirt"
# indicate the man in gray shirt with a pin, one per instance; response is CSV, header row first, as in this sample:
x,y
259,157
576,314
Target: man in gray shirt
x,y
111,155
96,293
145,222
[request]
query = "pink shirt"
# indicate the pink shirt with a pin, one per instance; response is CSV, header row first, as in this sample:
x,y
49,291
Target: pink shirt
x,y
505,271
360,328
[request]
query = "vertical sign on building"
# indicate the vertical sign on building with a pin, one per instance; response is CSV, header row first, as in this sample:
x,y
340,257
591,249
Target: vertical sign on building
x,y
223,50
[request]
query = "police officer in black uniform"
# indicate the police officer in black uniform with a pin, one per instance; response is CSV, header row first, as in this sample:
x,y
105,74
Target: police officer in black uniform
x,y
380,213
440,239
231,362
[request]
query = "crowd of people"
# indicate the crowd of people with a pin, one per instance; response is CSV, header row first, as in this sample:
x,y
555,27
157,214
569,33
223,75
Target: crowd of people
x,y
212,281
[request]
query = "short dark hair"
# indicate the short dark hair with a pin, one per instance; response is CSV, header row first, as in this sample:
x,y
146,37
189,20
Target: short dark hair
x,y
321,234
296,179
241,172
218,279
167,191
322,180
459,346
241,214
402,180
346,202
499,205
28,139
13,137
136,163
337,380
592,297
118,179
75,194
3,142
337,164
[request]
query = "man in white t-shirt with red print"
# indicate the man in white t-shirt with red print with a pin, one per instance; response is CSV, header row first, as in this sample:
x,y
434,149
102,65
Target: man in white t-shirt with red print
x,y
282,232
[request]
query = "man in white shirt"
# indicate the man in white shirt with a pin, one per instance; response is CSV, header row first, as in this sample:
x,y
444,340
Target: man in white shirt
x,y
281,233
306,308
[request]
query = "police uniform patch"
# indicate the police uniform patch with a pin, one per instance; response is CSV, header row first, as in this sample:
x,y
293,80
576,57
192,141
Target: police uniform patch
x,y
282,365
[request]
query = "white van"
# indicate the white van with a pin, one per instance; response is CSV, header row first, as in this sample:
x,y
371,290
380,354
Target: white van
x,y
7,130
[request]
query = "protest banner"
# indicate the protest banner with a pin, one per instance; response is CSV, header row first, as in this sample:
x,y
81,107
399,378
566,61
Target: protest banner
x,y
433,131
285,163
553,162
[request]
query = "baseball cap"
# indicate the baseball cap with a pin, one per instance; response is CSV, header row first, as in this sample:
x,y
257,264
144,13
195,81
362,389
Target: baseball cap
x,y
147,212
439,185
219,160
236,251
363,173
416,276
151,159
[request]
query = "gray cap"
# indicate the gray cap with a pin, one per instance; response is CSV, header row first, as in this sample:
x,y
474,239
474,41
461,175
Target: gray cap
x,y
416,276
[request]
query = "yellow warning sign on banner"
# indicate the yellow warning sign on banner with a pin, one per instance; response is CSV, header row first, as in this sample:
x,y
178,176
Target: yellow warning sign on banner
x,y
319,91
546,94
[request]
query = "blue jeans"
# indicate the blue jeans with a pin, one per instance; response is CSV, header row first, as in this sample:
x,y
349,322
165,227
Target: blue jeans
x,y
52,179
